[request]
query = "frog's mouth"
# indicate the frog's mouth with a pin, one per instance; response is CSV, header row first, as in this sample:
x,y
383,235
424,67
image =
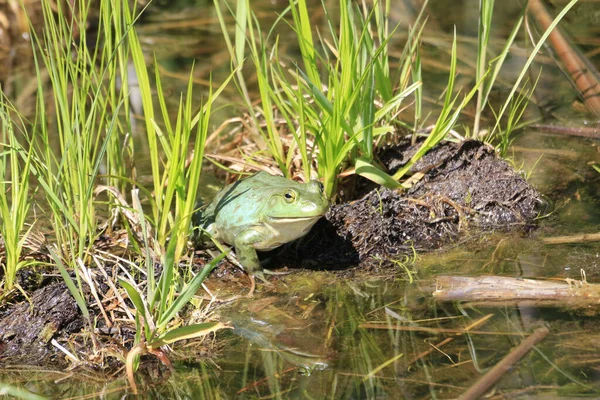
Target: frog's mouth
x,y
289,220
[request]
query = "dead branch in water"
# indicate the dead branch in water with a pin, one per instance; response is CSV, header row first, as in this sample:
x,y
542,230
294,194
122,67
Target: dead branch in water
x,y
581,238
490,289
568,130
494,374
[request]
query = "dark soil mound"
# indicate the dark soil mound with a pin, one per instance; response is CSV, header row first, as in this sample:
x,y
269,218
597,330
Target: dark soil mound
x,y
465,185
27,329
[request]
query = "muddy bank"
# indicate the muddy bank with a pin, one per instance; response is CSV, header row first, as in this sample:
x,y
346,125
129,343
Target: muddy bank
x,y
466,189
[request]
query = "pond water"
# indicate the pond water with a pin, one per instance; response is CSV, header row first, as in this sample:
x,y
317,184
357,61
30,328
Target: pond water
x,y
318,335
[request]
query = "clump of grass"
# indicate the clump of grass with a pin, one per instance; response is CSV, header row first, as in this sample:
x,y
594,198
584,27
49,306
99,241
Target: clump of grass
x,y
518,99
175,187
155,313
345,121
514,106
345,98
15,165
337,128
90,129
77,131
89,114
70,148
174,184
447,118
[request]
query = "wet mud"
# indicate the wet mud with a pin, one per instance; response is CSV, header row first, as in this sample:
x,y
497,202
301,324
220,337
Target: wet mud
x,y
27,329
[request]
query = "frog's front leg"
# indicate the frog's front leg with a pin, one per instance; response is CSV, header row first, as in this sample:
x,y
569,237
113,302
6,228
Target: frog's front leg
x,y
246,253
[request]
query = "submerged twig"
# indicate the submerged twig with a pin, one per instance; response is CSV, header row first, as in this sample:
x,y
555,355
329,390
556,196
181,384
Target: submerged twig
x,y
258,382
449,339
434,330
494,374
579,131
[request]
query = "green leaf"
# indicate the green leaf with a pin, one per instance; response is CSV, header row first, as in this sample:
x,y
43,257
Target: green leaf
x,y
366,169
70,284
187,293
134,296
241,19
187,332
305,40
368,114
395,102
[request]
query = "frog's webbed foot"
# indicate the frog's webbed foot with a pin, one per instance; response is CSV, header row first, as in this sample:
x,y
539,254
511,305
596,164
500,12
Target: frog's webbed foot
x,y
247,257
260,275
252,286
253,276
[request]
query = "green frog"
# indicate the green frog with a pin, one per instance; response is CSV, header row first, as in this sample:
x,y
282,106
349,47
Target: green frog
x,y
261,212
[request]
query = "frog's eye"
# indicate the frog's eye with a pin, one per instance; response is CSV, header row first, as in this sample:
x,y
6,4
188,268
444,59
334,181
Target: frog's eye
x,y
321,187
289,196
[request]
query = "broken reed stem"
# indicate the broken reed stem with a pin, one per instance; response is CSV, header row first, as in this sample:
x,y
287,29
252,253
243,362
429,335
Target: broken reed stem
x,y
582,238
434,330
582,71
494,374
135,351
579,131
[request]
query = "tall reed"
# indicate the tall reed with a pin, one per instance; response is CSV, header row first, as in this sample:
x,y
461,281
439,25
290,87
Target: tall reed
x,y
15,202
343,77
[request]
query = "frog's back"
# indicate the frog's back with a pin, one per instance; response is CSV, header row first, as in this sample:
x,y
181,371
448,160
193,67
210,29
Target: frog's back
x,y
241,202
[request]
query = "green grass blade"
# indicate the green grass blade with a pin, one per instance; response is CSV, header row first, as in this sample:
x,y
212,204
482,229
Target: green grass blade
x,y
19,393
190,290
499,61
305,40
486,9
134,296
534,53
70,284
187,332
366,169
148,106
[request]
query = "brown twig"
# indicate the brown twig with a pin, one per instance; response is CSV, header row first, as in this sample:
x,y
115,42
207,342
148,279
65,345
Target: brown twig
x,y
449,339
256,383
494,374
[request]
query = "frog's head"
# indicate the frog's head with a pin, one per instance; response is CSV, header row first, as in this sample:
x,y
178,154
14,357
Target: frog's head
x,y
297,205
